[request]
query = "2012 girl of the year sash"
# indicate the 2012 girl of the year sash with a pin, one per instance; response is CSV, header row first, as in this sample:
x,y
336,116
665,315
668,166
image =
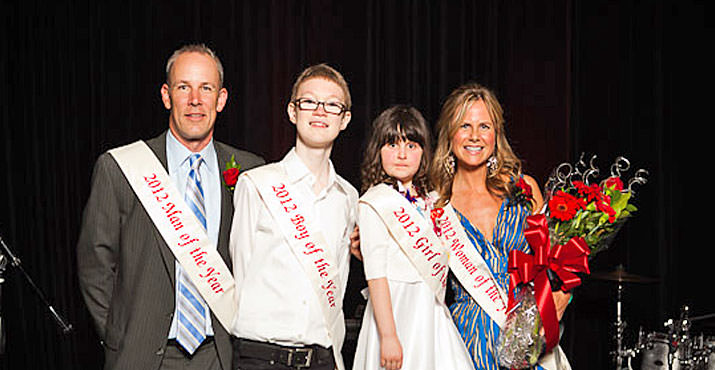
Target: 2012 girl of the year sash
x,y
470,269
306,240
179,228
413,233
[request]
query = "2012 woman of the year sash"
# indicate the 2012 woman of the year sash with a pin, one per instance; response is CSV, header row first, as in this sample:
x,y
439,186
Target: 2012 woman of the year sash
x,y
470,269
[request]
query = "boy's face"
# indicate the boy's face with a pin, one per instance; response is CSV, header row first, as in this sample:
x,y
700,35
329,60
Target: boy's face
x,y
318,128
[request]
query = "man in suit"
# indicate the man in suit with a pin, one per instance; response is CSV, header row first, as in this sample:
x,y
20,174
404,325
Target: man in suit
x,y
128,275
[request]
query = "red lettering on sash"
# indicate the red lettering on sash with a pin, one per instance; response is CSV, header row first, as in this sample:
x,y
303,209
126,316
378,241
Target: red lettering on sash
x,y
321,265
174,215
456,247
422,244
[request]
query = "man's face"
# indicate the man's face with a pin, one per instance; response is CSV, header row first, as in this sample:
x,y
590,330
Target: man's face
x,y
318,128
194,98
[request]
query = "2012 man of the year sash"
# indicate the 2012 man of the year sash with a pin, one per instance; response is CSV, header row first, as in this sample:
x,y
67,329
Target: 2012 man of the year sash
x,y
413,233
179,228
470,269
291,215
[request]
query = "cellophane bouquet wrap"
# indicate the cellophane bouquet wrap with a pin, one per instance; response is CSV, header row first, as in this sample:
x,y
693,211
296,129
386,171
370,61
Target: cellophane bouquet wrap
x,y
580,218
520,343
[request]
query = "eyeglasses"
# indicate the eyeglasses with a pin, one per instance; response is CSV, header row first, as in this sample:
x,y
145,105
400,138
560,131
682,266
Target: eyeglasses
x,y
309,104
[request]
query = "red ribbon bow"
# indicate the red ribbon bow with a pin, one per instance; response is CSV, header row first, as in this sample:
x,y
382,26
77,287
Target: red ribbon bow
x,y
564,260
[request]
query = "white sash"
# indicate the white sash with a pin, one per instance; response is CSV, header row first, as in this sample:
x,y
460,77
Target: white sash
x,y
303,234
469,268
181,230
413,233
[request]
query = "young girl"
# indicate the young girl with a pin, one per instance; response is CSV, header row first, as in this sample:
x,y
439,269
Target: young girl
x,y
406,323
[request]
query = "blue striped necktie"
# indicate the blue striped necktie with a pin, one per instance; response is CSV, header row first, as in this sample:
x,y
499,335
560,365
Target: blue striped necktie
x,y
191,308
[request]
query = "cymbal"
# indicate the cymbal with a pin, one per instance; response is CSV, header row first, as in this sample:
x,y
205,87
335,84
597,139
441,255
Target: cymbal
x,y
621,276
703,317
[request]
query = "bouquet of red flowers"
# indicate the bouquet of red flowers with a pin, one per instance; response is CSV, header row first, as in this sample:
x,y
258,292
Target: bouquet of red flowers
x,y
580,218
593,211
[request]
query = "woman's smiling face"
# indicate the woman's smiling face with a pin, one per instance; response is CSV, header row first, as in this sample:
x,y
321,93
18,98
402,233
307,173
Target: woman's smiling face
x,y
474,141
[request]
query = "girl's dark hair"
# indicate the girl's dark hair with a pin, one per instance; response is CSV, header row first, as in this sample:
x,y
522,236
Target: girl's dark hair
x,y
399,122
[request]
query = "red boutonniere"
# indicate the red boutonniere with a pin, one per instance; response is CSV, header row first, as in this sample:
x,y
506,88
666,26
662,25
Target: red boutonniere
x,y
230,174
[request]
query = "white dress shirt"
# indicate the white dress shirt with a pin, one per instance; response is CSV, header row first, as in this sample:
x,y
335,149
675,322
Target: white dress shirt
x,y
275,298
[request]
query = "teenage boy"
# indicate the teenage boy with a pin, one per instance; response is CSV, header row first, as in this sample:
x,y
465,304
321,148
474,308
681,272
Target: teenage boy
x,y
290,239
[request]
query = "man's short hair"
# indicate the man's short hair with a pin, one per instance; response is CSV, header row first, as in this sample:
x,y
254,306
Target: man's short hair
x,y
322,71
194,48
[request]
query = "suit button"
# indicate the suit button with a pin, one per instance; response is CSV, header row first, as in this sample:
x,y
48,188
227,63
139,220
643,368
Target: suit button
x,y
160,352
170,315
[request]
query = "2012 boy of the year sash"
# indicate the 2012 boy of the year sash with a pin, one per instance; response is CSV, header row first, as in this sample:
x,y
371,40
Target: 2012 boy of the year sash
x,y
179,227
303,234
470,269
413,233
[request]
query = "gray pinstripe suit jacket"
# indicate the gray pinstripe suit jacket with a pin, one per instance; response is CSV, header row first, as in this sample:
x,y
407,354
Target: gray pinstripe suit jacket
x,y
126,270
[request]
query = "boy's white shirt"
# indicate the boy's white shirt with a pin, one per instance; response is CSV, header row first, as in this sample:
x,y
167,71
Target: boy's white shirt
x,y
276,302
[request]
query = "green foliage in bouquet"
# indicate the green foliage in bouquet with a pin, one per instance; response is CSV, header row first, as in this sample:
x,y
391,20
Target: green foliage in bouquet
x,y
595,212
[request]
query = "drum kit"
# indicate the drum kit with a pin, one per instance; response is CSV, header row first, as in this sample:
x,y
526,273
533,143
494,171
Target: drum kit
x,y
676,348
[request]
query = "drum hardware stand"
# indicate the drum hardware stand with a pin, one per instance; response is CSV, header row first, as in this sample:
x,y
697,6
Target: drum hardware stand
x,y
621,353
679,331
8,256
620,276
702,349
695,351
3,264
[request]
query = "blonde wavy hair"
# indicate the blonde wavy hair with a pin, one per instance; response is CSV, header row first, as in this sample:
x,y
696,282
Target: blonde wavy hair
x,y
499,181
400,122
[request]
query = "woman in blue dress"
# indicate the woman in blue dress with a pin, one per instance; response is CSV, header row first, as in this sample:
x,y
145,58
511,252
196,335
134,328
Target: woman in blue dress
x,y
477,173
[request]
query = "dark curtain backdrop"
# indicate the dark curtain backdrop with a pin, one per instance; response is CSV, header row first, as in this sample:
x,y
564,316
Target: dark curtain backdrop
x,y
608,78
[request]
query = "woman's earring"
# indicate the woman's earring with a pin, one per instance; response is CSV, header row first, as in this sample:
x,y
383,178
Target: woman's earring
x,y
449,164
492,164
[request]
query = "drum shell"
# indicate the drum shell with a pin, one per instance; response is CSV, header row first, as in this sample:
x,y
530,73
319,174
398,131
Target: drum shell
x,y
692,354
655,351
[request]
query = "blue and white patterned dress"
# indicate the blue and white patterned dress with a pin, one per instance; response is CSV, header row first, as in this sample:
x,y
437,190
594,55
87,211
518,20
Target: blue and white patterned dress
x,y
479,332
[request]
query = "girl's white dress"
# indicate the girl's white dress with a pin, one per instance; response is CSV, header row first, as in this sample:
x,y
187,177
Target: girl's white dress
x,y
427,334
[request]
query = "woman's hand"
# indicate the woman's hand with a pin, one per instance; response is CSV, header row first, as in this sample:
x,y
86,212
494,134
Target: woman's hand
x,y
355,243
390,353
561,300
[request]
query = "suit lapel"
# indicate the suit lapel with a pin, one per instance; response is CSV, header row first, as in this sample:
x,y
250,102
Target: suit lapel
x,y
158,146
226,206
